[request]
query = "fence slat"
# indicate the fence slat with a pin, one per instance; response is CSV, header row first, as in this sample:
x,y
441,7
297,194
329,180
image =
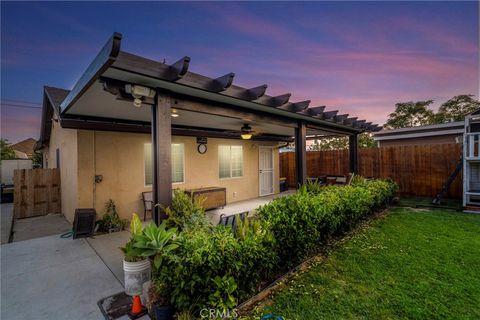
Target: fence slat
x,y
36,192
420,170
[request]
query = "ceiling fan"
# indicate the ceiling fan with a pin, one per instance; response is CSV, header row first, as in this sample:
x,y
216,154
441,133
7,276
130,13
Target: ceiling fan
x,y
246,132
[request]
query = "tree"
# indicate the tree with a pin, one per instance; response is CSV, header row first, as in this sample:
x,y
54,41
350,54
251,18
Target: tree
x,y
410,114
37,159
365,140
456,108
6,150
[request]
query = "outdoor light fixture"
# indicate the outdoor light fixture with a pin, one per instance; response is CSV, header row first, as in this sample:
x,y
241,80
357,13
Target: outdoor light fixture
x,y
139,92
246,132
174,113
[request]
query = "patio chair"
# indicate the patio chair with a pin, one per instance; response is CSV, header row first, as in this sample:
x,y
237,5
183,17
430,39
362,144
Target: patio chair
x,y
147,198
232,219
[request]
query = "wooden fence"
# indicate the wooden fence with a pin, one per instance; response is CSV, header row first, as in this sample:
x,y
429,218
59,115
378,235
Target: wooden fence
x,y
36,192
419,170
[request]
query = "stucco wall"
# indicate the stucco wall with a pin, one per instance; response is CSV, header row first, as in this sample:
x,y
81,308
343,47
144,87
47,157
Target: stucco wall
x,y
66,141
119,158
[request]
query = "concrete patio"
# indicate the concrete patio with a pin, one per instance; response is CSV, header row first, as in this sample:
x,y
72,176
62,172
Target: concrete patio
x,y
38,227
242,206
53,278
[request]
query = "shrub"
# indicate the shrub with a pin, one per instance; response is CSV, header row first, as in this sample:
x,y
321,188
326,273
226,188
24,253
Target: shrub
x,y
213,266
301,222
212,262
185,210
110,220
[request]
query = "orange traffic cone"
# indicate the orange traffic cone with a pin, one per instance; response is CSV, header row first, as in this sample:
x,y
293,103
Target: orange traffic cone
x,y
137,309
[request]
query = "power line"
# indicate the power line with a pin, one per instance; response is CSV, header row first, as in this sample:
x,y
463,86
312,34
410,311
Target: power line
x,y
11,103
20,106
20,101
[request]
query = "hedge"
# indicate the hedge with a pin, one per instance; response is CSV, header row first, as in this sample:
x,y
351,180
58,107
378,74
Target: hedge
x,y
216,267
302,221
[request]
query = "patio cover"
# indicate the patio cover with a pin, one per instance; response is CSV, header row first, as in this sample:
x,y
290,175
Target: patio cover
x,y
206,106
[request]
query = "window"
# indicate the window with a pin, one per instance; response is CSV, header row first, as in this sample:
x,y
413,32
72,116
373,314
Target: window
x,y
230,161
177,163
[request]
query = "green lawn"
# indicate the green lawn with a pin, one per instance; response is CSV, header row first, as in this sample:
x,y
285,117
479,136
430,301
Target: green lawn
x,y
411,263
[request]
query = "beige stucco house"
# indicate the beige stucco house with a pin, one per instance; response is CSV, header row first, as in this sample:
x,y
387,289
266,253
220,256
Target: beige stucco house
x,y
124,162
132,125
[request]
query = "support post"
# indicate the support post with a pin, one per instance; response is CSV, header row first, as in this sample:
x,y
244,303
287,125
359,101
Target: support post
x,y
161,151
353,147
301,153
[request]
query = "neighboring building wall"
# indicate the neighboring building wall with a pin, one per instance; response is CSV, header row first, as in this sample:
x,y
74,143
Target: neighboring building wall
x,y
423,140
7,168
119,158
65,140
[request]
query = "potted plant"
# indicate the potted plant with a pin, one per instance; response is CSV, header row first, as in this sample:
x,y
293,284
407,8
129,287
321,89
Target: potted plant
x,y
159,301
155,242
136,267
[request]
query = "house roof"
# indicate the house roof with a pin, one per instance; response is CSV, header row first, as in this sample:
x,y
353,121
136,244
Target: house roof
x,y
112,65
448,128
25,146
56,96
52,98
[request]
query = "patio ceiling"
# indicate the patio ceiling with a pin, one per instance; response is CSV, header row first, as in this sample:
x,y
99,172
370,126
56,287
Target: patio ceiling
x,y
90,99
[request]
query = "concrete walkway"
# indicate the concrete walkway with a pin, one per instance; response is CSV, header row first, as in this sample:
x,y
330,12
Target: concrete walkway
x,y
246,205
108,246
42,226
53,278
6,221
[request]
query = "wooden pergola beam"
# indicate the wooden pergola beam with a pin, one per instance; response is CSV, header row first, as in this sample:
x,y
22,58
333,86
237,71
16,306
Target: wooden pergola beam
x,y
221,83
365,125
313,111
340,118
350,121
255,93
295,106
329,114
278,101
359,123
178,69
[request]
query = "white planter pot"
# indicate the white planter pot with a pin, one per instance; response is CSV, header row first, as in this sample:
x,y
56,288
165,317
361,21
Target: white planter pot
x,y
136,274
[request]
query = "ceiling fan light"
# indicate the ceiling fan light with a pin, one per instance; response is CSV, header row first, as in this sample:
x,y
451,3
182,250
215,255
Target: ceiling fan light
x,y
246,136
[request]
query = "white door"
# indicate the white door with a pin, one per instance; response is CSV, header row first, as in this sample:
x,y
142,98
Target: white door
x,y
265,170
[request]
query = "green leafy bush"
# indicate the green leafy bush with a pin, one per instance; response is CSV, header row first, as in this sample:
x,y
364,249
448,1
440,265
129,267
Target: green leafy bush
x,y
185,211
211,257
217,267
302,221
111,221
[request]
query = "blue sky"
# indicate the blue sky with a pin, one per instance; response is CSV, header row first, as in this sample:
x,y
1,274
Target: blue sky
x,y
359,57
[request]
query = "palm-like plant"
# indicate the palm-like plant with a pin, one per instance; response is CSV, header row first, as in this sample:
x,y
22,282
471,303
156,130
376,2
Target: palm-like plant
x,y
155,241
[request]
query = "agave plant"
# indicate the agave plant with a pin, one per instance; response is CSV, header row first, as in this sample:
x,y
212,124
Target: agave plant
x,y
155,241
132,254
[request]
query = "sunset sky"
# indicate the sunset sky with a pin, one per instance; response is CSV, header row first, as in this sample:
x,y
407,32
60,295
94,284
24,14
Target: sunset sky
x,y
359,57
